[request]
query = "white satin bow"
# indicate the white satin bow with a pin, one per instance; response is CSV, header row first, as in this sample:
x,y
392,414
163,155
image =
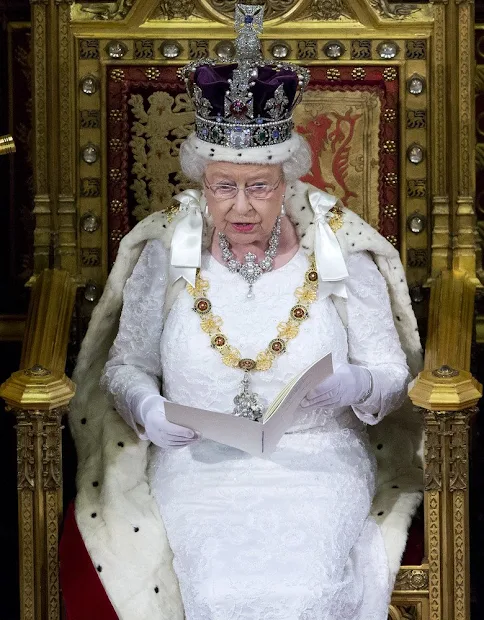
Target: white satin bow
x,y
186,245
330,263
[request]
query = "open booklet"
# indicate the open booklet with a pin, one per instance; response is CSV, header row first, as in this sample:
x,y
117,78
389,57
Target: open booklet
x,y
257,438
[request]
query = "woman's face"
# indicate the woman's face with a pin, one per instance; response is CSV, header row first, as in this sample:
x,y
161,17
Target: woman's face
x,y
245,219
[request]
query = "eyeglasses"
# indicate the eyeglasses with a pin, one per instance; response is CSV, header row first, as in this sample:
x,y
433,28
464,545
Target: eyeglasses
x,y
226,191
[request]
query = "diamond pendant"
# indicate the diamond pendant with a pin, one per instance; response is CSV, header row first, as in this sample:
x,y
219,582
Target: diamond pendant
x,y
247,403
250,270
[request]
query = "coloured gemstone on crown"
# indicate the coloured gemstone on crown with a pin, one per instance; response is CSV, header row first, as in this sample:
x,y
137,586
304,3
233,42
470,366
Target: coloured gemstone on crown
x,y
238,108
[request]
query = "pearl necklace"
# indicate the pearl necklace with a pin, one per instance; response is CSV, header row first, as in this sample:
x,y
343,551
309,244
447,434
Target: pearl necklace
x,y
251,270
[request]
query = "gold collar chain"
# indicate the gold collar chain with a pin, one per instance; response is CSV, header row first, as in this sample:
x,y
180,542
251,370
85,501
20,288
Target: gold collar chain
x,y
287,330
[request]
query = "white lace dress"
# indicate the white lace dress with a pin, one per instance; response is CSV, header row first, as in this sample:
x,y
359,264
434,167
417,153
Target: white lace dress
x,y
284,538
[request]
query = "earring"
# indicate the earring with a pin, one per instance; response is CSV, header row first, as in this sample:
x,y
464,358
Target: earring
x,y
204,204
283,207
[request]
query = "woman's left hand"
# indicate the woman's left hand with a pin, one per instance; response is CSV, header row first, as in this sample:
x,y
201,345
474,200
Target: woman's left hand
x,y
348,385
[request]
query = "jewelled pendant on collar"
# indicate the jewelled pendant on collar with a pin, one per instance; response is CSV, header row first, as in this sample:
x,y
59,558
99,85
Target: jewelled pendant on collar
x,y
247,403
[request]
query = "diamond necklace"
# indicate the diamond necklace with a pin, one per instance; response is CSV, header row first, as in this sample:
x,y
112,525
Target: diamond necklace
x,y
250,269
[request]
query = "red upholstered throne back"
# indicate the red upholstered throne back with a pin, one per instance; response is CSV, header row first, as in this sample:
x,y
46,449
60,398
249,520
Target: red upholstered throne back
x,y
349,116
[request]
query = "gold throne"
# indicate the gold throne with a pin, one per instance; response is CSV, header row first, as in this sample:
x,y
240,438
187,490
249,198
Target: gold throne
x,y
389,116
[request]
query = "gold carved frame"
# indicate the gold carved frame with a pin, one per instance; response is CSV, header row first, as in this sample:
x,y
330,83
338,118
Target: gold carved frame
x,y
442,191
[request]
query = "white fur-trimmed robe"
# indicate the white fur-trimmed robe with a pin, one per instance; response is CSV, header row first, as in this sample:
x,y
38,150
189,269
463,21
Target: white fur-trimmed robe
x,y
127,540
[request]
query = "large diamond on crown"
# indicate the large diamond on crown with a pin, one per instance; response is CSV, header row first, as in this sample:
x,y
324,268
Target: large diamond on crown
x,y
239,137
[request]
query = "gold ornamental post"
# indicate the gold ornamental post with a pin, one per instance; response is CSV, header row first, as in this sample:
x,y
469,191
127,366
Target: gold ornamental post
x,y
39,395
447,395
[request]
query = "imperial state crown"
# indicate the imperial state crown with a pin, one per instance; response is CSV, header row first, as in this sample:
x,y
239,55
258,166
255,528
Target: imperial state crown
x,y
248,102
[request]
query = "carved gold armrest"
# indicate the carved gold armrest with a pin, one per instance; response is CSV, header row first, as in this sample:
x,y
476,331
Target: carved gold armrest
x,y
447,399
447,395
39,395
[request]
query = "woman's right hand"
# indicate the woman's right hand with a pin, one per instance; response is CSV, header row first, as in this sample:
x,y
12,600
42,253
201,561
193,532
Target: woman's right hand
x,y
158,430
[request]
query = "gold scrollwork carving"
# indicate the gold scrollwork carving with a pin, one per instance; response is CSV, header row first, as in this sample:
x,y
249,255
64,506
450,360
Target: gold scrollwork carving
x,y
460,551
52,528
326,10
32,424
412,579
479,78
465,97
433,524
51,451
433,456
439,100
112,11
458,455
27,562
171,10
39,451
404,612
40,121
393,10
272,8
479,159
25,454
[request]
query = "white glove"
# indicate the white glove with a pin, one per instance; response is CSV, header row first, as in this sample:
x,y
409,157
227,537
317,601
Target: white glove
x,y
150,412
348,385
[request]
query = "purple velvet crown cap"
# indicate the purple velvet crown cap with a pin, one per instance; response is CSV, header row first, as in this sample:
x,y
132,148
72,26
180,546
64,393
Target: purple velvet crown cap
x,y
213,80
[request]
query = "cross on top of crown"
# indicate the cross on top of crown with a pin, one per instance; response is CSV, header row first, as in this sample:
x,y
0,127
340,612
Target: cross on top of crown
x,y
249,16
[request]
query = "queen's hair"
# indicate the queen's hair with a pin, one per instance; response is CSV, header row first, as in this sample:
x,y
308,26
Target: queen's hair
x,y
297,164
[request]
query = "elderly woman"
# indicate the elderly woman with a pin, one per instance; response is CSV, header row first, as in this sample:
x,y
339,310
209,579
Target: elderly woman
x,y
288,537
